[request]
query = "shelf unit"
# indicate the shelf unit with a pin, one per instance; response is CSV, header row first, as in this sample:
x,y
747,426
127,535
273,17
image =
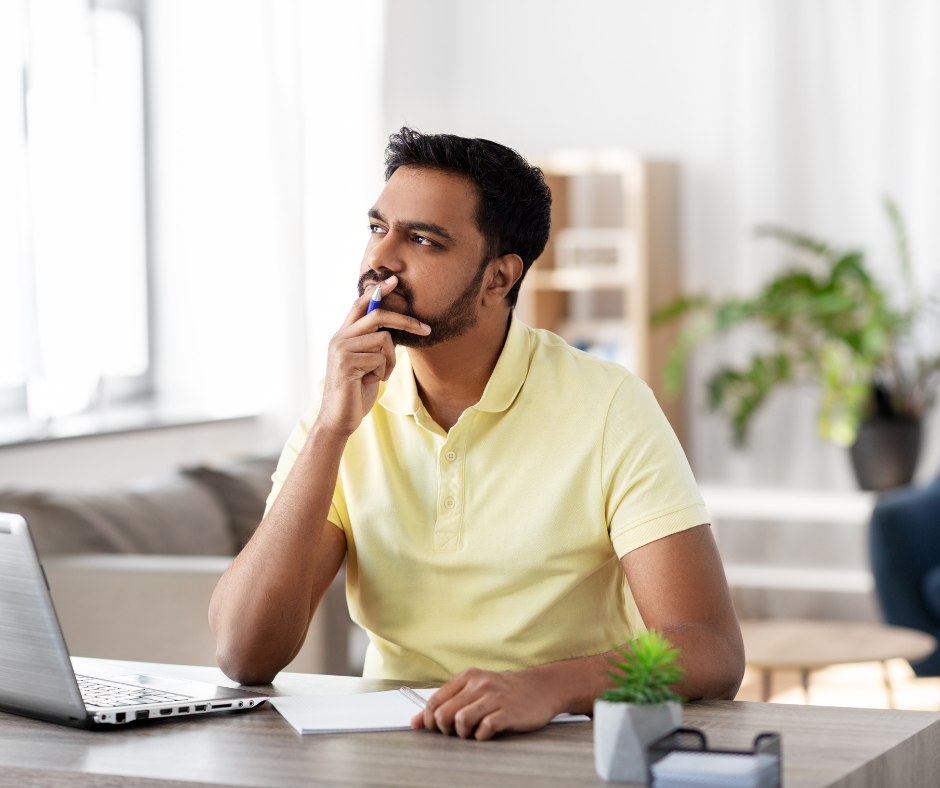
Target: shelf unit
x,y
611,261
792,507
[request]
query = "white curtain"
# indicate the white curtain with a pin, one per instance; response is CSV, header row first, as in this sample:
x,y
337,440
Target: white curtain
x,y
267,155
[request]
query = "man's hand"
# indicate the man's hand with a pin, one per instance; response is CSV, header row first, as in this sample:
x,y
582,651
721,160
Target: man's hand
x,y
481,703
361,355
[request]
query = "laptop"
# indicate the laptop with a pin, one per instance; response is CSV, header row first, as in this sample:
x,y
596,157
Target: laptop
x,y
36,674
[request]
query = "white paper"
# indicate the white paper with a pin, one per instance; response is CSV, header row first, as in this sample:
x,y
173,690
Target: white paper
x,y
369,711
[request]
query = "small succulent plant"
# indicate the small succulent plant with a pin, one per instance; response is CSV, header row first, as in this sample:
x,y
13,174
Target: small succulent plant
x,y
648,669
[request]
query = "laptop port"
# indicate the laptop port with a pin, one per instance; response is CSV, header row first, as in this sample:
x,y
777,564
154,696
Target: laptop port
x,y
141,715
200,708
221,705
183,709
166,711
120,716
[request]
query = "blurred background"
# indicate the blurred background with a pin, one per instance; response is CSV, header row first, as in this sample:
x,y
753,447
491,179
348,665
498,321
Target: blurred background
x,y
184,185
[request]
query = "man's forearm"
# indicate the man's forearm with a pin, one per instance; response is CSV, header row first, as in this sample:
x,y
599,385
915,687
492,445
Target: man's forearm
x,y
263,604
483,703
713,668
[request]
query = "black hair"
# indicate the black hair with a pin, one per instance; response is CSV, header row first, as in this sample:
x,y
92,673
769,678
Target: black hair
x,y
515,210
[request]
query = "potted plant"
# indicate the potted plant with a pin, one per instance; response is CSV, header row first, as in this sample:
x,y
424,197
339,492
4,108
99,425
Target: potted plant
x,y
827,321
638,710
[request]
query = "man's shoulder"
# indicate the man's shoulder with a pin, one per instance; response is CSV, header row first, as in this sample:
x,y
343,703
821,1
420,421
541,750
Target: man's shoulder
x,y
565,371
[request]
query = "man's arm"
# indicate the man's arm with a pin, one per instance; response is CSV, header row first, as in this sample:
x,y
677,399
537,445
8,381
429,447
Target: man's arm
x,y
680,589
263,604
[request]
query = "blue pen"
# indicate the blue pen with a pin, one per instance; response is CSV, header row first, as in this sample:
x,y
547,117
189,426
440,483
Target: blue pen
x,y
376,299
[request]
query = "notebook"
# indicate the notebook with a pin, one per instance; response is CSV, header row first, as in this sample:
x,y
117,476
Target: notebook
x,y
370,711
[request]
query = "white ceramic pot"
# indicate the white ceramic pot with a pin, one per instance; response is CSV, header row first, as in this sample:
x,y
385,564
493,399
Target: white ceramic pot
x,y
623,731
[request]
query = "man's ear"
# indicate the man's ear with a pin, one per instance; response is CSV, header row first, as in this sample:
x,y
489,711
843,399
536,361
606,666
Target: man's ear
x,y
502,273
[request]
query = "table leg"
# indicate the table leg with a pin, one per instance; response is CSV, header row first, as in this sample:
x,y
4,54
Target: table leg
x,y
888,688
766,676
804,675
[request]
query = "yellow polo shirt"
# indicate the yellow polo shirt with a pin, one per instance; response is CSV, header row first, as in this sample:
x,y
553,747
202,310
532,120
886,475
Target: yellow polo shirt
x,y
496,545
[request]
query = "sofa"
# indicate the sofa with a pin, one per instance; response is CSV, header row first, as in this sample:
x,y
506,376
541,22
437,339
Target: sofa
x,y
904,541
131,570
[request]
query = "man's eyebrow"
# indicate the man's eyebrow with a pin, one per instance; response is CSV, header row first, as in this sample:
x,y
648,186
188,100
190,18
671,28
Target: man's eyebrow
x,y
424,227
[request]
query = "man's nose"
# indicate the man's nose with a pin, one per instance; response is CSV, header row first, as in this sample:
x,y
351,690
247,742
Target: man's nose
x,y
386,254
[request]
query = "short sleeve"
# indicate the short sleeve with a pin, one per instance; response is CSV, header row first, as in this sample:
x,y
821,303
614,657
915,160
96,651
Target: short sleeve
x,y
289,456
649,489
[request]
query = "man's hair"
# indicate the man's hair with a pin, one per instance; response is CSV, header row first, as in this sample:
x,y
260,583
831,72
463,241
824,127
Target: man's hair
x,y
515,209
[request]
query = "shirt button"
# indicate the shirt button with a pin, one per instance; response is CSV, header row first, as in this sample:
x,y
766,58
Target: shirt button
x,y
450,503
451,455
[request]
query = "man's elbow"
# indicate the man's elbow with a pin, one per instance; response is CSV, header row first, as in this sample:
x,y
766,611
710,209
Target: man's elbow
x,y
732,681
729,674
717,671
243,667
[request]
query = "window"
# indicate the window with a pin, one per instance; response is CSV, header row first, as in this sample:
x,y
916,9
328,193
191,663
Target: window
x,y
73,235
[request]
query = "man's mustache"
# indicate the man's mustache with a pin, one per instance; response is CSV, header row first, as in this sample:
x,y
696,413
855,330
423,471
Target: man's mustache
x,y
373,276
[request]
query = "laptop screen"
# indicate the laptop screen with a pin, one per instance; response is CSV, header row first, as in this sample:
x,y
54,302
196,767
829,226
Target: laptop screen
x,y
35,671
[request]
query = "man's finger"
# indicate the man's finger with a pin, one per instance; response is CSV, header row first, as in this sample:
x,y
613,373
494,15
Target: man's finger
x,y
388,349
361,304
445,716
490,725
445,693
366,364
468,717
375,342
385,318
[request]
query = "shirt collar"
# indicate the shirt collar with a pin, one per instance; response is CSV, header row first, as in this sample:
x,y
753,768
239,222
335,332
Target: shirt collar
x,y
512,367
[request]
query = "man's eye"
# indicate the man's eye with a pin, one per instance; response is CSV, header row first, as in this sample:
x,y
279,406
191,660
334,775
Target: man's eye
x,y
423,240
376,229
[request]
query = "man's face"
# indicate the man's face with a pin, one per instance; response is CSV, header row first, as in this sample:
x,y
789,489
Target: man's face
x,y
424,231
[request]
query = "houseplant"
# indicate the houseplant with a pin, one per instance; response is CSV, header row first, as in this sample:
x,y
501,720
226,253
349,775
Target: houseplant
x,y
829,322
639,709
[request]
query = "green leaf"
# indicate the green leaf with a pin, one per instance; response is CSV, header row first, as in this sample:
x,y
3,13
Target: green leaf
x,y
794,239
678,308
646,673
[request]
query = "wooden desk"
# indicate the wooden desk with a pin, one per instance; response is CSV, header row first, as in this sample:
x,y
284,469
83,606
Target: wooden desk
x,y
822,746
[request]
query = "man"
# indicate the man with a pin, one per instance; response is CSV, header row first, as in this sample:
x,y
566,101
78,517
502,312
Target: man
x,y
490,487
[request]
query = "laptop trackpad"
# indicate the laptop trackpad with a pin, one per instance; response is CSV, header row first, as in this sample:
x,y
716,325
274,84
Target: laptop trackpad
x,y
195,689
149,680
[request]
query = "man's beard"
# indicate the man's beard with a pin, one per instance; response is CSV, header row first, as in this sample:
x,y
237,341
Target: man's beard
x,y
454,322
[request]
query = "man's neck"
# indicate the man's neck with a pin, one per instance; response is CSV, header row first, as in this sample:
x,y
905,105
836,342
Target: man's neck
x,y
452,376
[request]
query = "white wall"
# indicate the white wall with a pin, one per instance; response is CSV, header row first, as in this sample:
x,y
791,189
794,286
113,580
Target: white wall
x,y
777,110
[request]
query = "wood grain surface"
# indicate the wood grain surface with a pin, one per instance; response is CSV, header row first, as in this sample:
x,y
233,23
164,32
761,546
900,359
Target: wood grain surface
x,y
822,746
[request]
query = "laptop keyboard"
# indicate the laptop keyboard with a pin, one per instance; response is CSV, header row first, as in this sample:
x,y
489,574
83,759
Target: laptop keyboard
x,y
105,694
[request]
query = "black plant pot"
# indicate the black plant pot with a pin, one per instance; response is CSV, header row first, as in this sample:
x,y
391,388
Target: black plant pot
x,y
884,454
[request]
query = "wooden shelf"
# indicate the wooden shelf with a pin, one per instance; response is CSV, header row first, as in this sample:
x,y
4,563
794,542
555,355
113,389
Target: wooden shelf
x,y
574,279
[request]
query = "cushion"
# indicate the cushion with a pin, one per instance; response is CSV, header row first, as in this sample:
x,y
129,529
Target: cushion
x,y
242,487
170,515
